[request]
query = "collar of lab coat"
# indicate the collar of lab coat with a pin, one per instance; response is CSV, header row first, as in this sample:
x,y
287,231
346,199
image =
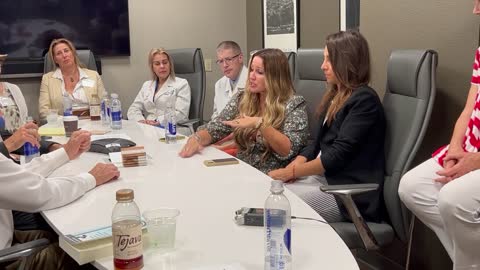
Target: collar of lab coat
x,y
241,81
167,87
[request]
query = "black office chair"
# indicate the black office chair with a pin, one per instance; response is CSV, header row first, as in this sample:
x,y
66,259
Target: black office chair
x,y
22,251
408,104
86,58
310,82
188,64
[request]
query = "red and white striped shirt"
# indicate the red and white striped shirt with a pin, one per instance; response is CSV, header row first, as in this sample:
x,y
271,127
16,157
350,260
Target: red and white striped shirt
x,y
471,140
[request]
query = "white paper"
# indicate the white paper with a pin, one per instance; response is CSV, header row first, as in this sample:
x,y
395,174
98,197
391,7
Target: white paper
x,y
116,159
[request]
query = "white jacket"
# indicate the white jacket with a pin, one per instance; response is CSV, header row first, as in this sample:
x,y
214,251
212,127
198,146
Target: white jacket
x,y
25,188
150,106
223,91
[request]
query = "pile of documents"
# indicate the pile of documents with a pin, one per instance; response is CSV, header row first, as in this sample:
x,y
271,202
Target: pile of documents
x,y
134,156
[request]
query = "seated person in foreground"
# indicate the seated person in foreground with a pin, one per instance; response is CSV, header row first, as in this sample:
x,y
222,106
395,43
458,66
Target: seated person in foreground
x,y
165,89
268,121
69,79
27,188
444,191
348,146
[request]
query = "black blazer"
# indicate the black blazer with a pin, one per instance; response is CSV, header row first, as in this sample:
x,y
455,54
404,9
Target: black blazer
x,y
353,149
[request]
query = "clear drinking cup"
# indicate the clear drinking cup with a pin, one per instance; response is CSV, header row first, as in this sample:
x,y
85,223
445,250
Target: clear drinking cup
x,y
161,226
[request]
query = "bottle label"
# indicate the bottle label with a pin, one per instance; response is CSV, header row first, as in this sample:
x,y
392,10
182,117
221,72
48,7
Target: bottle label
x,y
127,241
94,110
67,112
117,116
172,128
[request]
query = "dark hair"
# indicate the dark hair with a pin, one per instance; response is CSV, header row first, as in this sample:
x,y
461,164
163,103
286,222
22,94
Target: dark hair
x,y
350,60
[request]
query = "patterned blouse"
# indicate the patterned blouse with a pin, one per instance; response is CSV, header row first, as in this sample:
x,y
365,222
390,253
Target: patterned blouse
x,y
295,127
9,112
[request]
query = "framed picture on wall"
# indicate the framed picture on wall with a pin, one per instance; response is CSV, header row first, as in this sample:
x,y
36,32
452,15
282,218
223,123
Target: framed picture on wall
x,y
280,24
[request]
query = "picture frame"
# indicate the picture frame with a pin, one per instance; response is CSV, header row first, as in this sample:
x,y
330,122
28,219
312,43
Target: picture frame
x,y
280,24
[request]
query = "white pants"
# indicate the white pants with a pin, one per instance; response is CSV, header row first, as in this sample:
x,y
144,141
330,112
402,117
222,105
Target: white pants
x,y
452,210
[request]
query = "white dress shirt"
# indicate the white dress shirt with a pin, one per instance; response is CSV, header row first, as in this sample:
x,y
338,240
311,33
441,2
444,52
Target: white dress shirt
x,y
78,95
151,106
224,91
26,188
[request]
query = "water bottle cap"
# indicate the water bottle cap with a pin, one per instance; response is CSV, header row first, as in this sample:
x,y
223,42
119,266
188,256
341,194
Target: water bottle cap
x,y
124,195
277,186
113,95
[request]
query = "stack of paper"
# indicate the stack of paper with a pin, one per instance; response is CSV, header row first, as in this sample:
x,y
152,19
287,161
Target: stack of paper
x,y
89,246
134,156
47,130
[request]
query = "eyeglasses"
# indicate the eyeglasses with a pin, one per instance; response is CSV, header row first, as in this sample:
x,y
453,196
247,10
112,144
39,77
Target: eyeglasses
x,y
227,60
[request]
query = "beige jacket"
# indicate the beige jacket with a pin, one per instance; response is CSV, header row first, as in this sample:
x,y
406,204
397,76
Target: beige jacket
x,y
51,96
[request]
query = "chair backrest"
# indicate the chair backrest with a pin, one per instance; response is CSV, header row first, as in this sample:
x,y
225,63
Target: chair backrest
x,y
188,64
408,104
310,82
86,58
292,63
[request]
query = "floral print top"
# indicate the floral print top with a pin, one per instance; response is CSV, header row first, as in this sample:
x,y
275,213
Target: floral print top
x,y
295,127
9,112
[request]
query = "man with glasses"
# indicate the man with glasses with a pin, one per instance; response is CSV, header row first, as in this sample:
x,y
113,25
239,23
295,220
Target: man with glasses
x,y
230,60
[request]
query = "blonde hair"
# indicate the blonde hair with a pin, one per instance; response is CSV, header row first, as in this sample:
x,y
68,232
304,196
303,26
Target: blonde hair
x,y
152,54
279,89
69,44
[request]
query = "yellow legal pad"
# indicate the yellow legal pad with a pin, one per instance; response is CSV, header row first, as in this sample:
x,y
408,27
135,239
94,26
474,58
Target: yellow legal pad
x,y
51,131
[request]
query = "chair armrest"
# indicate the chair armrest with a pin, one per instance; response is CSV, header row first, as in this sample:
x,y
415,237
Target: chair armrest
x,y
22,250
344,193
187,123
349,189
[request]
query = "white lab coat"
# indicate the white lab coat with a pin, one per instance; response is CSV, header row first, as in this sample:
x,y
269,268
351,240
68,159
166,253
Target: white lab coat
x,y
223,91
151,106
26,188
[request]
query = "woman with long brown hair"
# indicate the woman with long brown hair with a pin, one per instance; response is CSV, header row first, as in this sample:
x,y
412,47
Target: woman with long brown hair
x,y
348,146
268,121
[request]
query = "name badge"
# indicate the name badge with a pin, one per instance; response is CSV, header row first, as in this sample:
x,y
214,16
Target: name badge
x,y
6,101
88,82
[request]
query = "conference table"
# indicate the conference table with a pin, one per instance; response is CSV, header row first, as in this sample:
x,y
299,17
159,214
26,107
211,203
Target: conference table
x,y
207,237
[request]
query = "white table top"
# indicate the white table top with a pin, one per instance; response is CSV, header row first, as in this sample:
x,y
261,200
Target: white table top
x,y
207,198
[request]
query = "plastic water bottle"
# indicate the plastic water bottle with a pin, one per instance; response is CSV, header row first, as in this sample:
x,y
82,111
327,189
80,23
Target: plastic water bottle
x,y
171,125
30,151
67,105
105,109
277,224
116,112
127,232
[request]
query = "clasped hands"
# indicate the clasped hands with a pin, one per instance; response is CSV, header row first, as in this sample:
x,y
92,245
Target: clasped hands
x,y
456,164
